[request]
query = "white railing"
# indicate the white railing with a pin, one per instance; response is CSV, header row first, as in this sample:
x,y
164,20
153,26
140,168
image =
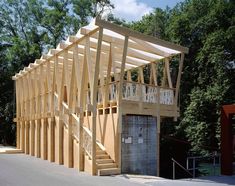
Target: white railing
x,y
166,96
150,94
133,91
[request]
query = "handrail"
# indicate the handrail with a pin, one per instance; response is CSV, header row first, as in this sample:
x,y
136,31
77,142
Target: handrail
x,y
182,167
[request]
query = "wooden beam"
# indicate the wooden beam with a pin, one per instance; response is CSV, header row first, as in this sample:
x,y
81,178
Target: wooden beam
x,y
94,100
119,97
167,67
110,62
178,83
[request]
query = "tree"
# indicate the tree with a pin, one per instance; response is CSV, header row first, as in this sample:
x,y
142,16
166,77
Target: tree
x,y
29,28
85,9
208,31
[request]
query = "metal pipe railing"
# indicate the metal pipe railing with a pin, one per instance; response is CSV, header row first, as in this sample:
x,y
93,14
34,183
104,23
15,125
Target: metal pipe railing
x,y
181,166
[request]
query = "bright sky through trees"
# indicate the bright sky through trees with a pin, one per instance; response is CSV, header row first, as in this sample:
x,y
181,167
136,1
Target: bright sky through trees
x,y
133,10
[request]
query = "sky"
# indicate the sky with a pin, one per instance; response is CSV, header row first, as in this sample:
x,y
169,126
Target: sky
x,y
133,10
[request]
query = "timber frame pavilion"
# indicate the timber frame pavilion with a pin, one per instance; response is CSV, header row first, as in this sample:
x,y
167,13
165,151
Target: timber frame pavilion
x,y
71,102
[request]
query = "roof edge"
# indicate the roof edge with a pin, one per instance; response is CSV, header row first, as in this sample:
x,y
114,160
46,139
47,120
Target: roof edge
x,y
128,32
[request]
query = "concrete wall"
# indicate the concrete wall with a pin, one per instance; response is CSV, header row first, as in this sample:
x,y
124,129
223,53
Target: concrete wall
x,y
139,145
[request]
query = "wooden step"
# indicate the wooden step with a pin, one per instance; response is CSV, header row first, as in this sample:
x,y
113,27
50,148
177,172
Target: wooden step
x,y
98,152
104,161
106,165
106,172
102,156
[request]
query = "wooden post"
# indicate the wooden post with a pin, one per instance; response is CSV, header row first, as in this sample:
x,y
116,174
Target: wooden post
x,y
110,62
22,136
119,101
44,138
51,139
94,100
26,137
32,137
158,131
18,134
70,105
178,84
37,141
81,79
17,115
167,67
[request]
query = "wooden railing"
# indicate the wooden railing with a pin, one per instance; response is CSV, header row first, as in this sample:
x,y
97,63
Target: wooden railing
x,y
76,126
86,133
87,141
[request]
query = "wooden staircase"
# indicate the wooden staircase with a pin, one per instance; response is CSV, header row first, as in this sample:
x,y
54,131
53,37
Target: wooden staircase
x,y
105,165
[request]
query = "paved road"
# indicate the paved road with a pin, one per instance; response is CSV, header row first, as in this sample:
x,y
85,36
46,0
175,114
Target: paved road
x,y
25,170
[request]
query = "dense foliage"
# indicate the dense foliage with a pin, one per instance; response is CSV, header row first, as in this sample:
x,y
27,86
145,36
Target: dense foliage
x,y
207,27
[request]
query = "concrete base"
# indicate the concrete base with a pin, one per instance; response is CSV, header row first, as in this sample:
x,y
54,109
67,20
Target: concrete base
x,y
9,150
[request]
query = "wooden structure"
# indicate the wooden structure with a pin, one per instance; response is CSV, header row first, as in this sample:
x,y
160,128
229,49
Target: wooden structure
x,y
227,140
70,102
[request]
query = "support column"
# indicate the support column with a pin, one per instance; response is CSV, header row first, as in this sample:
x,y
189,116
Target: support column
x,y
158,131
94,89
18,136
177,88
43,139
26,137
70,143
158,145
119,100
37,138
61,146
22,136
32,137
51,139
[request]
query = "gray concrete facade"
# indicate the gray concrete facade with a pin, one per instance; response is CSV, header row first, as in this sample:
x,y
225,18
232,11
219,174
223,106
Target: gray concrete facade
x,y
139,145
